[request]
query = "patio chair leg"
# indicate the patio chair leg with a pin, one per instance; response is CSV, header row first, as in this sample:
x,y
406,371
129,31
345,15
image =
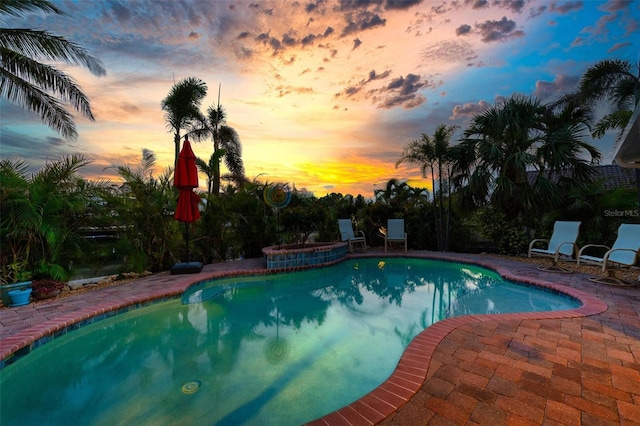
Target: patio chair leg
x,y
555,268
612,280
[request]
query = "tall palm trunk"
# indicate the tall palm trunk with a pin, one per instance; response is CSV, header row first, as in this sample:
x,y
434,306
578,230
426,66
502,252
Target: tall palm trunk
x,y
176,143
435,209
216,165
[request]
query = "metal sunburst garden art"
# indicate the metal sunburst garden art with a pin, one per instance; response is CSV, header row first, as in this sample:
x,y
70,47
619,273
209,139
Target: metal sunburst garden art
x,y
277,196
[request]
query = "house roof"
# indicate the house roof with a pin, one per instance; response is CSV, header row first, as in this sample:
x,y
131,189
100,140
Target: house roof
x,y
612,175
616,177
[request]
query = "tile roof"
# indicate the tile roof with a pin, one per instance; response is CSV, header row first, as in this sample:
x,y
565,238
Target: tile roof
x,y
612,175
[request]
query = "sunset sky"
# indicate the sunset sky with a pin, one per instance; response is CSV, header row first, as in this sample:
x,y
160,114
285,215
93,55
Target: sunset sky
x,y
324,94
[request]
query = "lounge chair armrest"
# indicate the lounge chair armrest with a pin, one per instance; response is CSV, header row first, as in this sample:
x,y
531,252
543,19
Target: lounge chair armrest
x,y
573,251
361,233
535,241
607,254
588,246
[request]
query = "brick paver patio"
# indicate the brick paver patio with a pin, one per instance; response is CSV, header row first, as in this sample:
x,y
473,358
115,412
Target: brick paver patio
x,y
576,367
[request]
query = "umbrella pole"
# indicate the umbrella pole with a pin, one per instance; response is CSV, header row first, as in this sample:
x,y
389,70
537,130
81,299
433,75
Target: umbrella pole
x,y
186,233
278,225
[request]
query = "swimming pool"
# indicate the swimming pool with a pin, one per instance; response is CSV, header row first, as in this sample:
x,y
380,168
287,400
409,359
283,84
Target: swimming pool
x,y
275,349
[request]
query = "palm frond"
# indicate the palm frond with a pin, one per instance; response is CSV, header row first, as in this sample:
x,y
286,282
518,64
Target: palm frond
x,y
615,120
20,72
50,110
599,81
19,7
38,87
44,46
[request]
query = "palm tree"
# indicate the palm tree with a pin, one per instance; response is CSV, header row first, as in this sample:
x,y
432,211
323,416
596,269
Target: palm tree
x,y
40,87
182,107
497,150
506,141
394,194
433,152
208,169
563,147
613,81
226,147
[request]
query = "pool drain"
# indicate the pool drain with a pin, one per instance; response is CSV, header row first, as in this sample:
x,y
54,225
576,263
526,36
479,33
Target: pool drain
x,y
191,387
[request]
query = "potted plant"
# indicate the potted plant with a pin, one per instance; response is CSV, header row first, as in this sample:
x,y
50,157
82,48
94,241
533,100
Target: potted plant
x,y
46,288
16,285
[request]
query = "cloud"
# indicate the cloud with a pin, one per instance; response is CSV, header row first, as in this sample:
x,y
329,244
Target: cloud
x,y
363,20
619,15
469,110
400,91
403,91
401,4
616,5
463,29
567,7
513,5
478,4
631,27
355,89
38,149
373,75
448,51
288,41
358,4
535,12
618,46
309,39
501,30
287,90
545,90
311,6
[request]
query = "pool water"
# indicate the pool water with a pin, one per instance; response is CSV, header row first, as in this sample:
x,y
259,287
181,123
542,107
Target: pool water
x,y
264,350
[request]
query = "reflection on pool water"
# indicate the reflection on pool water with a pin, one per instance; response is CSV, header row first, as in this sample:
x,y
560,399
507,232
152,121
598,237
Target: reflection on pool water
x,y
275,349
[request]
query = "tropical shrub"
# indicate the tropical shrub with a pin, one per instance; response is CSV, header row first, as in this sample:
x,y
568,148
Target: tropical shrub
x,y
510,237
300,218
144,206
43,215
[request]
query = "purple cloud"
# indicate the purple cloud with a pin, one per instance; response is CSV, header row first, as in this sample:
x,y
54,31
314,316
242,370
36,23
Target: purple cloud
x,y
546,90
469,110
463,29
501,30
567,7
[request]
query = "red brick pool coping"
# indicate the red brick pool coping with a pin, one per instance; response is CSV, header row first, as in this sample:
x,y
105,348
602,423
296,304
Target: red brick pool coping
x,y
24,326
411,371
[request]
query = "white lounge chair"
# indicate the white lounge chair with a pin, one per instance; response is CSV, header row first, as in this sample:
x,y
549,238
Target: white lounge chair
x,y
562,243
347,234
395,233
623,253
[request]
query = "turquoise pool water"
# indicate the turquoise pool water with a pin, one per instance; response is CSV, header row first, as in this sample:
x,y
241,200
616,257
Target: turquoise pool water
x,y
264,350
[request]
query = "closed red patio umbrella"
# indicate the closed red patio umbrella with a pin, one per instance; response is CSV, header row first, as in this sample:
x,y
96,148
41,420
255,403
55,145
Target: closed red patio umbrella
x,y
187,210
186,173
185,178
